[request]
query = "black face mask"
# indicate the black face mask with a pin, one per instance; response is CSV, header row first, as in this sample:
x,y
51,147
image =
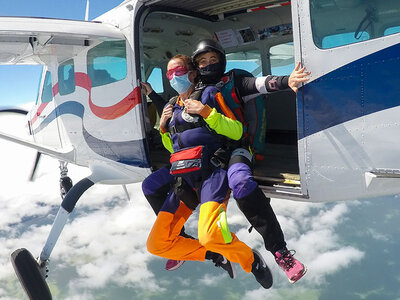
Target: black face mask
x,y
211,74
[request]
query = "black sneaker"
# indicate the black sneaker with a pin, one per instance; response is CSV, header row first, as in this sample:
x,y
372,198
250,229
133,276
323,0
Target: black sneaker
x,y
261,271
221,261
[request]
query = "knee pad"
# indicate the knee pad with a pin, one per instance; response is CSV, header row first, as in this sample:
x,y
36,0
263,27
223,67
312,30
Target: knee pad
x,y
241,155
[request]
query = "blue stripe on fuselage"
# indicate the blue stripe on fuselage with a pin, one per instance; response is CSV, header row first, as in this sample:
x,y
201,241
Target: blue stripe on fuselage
x,y
363,87
131,153
70,107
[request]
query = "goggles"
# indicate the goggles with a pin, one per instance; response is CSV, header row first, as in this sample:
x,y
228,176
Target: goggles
x,y
177,71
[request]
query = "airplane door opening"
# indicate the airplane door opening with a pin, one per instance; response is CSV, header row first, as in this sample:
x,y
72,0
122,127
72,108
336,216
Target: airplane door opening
x,y
263,44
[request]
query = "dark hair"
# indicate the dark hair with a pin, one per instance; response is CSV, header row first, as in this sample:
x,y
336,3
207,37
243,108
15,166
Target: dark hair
x,y
187,61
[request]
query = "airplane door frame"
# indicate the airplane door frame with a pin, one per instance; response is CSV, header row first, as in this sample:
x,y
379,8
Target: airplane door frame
x,y
297,15
340,120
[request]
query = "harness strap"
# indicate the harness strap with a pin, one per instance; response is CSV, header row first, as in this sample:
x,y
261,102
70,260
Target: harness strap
x,y
173,100
186,126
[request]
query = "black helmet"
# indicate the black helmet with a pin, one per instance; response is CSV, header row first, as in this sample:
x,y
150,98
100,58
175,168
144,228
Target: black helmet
x,y
209,45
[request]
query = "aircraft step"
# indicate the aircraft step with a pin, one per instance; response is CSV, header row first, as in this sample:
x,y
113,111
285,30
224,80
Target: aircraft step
x,y
284,192
285,179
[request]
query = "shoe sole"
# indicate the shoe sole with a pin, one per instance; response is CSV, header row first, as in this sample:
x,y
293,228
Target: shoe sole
x,y
266,266
292,281
177,266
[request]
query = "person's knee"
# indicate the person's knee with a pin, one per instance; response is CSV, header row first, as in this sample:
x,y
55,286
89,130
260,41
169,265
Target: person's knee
x,y
156,246
240,180
209,231
156,181
147,186
205,235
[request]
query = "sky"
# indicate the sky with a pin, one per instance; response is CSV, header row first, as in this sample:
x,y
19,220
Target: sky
x,y
19,84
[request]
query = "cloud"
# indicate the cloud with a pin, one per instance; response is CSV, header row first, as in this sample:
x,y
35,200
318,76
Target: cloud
x,y
332,261
377,235
212,280
104,242
310,229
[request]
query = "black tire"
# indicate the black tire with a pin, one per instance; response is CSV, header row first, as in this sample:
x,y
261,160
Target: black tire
x,y
28,272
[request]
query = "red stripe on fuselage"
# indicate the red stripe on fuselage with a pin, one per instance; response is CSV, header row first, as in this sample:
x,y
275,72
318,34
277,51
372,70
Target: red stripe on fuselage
x,y
111,112
38,112
107,113
56,89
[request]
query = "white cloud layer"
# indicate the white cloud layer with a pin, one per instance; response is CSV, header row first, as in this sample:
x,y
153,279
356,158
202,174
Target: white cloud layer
x,y
104,243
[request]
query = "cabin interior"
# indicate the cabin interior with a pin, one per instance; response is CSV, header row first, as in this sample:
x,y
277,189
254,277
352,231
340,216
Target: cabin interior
x,y
257,36
259,41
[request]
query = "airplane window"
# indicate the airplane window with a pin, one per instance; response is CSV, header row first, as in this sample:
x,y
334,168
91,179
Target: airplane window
x,y
47,92
66,77
155,79
342,39
338,23
38,87
249,61
107,63
282,59
391,30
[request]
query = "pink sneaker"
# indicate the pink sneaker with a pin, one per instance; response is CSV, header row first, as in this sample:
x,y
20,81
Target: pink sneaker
x,y
172,265
293,268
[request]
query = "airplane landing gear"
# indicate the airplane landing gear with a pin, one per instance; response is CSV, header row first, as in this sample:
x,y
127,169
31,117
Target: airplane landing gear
x,y
31,274
65,182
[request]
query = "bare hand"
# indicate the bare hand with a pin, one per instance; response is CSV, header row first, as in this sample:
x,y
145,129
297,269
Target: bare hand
x,y
146,87
166,115
193,106
298,76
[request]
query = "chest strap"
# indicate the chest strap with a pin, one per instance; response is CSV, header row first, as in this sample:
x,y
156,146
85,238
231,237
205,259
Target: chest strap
x,y
183,127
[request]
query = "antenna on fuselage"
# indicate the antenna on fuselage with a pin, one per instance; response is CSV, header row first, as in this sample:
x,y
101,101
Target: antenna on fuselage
x,y
87,11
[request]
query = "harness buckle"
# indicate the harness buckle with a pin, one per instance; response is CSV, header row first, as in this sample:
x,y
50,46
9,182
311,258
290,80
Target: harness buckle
x,y
172,130
215,162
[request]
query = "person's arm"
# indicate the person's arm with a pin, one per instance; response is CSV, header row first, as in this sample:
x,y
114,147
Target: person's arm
x,y
297,77
166,140
223,125
158,101
249,86
260,85
165,136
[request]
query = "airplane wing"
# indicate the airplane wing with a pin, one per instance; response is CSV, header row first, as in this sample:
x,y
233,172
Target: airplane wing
x,y
211,7
67,156
33,40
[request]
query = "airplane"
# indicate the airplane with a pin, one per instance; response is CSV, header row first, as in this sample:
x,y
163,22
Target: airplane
x,y
335,140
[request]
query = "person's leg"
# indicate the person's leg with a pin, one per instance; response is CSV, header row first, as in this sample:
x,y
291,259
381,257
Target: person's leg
x,y
156,187
258,211
255,205
213,234
165,240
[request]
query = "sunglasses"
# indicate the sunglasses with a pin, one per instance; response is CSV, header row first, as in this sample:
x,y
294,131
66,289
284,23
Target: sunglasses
x,y
177,71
